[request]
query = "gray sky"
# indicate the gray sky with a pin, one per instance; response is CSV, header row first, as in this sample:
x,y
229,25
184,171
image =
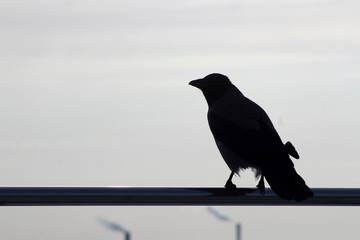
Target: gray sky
x,y
95,93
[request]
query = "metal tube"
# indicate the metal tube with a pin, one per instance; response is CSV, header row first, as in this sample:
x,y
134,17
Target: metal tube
x,y
238,231
167,196
127,235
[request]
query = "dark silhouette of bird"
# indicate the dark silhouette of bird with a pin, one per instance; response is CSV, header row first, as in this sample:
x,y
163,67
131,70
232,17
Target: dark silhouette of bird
x,y
246,138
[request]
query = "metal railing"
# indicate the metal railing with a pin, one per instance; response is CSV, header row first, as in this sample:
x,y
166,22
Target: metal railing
x,y
167,196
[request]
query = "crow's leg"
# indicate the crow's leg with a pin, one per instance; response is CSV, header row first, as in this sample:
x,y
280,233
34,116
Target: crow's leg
x,y
229,185
261,185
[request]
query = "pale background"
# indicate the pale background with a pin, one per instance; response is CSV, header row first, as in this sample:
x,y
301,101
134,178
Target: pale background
x,y
96,93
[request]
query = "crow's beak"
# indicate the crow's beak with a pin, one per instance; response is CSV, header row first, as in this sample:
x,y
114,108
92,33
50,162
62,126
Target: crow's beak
x,y
196,83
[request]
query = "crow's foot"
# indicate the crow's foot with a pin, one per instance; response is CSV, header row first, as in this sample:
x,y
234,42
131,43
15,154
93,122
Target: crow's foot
x,y
230,186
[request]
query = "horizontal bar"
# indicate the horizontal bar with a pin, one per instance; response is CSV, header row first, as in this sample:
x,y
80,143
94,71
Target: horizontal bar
x,y
167,196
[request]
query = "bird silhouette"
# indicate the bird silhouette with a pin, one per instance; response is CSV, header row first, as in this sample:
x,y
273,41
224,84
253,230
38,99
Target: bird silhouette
x,y
246,138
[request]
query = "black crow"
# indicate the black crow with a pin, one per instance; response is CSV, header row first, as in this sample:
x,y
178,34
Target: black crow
x,y
246,138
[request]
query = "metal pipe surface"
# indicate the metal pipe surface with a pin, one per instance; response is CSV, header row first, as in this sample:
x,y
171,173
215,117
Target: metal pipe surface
x,y
167,196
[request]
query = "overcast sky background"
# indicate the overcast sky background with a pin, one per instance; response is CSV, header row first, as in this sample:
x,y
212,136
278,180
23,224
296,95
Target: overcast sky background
x,y
96,93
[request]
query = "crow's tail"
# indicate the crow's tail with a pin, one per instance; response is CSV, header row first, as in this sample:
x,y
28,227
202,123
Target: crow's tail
x,y
287,183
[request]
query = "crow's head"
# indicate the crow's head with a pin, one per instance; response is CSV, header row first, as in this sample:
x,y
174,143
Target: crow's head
x,y
211,82
213,86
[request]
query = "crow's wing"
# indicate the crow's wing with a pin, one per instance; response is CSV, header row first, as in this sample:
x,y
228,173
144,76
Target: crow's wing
x,y
259,145
245,128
